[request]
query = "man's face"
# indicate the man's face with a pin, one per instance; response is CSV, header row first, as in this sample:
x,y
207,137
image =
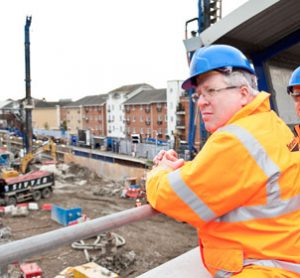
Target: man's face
x,y
296,90
218,106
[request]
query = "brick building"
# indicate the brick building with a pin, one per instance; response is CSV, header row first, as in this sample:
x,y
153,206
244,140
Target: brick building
x,y
87,113
115,107
146,114
183,118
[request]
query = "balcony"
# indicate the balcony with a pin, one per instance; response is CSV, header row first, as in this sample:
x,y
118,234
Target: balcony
x,y
180,124
180,109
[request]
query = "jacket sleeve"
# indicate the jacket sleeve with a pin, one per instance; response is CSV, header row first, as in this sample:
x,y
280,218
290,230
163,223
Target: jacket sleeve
x,y
222,176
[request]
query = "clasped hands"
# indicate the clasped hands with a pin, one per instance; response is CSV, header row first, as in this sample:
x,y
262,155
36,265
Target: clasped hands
x,y
168,159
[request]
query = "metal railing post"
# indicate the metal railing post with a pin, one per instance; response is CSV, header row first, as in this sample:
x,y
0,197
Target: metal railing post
x,y
17,251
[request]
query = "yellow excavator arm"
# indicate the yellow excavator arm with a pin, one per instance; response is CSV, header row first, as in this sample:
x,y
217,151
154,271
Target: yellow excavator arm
x,y
49,146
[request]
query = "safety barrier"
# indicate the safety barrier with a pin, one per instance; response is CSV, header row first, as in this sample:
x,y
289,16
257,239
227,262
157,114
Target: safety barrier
x,y
18,250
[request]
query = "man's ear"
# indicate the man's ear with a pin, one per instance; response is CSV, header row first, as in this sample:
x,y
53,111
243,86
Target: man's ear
x,y
246,96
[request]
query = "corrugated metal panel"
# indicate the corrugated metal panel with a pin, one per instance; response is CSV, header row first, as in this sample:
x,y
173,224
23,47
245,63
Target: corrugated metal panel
x,y
255,26
269,26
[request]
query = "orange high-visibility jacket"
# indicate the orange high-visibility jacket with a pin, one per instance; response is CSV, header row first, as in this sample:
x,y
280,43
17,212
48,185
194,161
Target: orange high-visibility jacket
x,y
242,192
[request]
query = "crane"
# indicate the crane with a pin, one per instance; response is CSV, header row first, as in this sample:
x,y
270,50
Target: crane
x,y
28,100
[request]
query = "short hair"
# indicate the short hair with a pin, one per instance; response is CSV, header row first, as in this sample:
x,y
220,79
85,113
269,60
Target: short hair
x,y
242,78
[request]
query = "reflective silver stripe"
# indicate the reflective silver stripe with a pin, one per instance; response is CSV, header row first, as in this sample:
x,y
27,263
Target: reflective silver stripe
x,y
293,267
189,197
261,157
275,206
223,274
263,211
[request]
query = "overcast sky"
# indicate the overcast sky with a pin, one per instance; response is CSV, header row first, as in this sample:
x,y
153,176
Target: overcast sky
x,y
81,48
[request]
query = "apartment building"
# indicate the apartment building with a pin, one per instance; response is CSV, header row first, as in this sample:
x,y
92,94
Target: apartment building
x,y
87,113
181,132
115,108
11,115
47,114
174,92
146,114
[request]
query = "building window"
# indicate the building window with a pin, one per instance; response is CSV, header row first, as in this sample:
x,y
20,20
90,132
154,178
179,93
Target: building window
x,y
141,119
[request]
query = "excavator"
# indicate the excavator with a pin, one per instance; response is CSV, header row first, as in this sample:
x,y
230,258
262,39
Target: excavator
x,y
48,146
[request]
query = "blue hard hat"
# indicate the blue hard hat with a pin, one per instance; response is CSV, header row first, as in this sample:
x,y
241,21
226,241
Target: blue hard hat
x,y
215,57
294,80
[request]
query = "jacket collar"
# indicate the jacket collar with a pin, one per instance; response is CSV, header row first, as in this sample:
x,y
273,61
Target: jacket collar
x,y
259,104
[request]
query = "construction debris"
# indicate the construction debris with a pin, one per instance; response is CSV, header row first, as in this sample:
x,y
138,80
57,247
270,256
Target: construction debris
x,y
30,270
76,186
89,270
5,234
19,211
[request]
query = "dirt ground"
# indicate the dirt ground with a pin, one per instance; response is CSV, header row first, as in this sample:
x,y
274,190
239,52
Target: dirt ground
x,y
148,244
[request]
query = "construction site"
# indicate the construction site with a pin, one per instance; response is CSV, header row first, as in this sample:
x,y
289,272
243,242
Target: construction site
x,y
128,251
75,204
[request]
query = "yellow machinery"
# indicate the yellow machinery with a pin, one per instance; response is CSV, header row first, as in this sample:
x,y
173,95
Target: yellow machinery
x,y
49,146
9,173
6,158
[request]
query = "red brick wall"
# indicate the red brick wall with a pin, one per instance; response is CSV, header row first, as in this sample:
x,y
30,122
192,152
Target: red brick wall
x,y
150,119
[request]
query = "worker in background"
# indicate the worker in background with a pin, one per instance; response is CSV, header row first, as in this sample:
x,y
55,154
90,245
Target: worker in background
x,y
242,190
293,89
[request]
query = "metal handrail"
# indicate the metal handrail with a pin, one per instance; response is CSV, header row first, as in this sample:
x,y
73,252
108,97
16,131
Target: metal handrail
x,y
18,250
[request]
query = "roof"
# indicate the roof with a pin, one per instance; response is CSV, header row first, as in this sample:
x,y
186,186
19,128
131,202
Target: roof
x,y
130,88
50,104
5,103
91,100
148,96
256,26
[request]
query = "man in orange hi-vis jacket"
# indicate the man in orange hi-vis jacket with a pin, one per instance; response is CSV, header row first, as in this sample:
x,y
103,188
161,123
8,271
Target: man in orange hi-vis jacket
x,y
242,190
